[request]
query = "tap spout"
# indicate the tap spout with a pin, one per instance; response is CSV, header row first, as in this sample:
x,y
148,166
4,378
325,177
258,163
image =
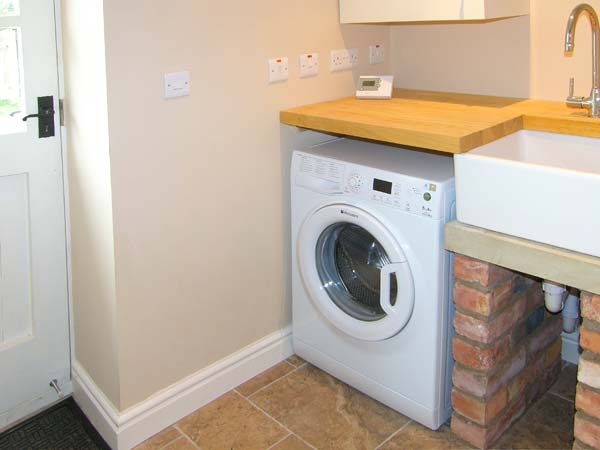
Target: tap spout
x,y
570,37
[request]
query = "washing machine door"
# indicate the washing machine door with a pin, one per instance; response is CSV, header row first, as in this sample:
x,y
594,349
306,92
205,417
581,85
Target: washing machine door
x,y
355,272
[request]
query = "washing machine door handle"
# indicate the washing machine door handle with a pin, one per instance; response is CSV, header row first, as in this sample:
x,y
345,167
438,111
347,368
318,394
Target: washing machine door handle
x,y
404,280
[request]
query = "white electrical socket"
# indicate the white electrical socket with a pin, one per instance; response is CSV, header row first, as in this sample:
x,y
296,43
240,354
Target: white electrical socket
x,y
376,54
353,57
344,59
278,69
309,65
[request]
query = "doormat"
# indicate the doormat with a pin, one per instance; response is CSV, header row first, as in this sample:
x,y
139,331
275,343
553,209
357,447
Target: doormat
x,y
62,427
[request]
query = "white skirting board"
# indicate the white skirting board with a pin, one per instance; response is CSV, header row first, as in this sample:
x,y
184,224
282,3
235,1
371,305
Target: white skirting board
x,y
124,430
570,347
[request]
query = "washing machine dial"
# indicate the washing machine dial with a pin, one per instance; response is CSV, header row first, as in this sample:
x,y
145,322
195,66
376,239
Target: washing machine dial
x,y
355,183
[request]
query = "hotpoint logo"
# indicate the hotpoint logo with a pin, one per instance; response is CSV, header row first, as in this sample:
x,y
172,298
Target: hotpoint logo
x,y
347,213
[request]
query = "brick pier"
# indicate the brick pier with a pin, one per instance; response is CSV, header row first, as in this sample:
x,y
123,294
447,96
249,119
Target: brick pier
x,y
507,351
587,402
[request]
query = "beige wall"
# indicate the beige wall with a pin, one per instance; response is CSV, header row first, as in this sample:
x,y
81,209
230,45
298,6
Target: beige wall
x,y
521,57
480,58
92,246
550,69
198,184
198,191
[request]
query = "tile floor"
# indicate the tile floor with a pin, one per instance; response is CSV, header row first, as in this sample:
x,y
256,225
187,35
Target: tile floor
x,y
295,406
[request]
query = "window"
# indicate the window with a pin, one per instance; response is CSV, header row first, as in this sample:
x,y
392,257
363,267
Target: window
x,y
11,72
9,8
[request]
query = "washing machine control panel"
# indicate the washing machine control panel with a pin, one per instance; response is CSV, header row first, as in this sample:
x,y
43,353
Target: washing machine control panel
x,y
355,183
412,195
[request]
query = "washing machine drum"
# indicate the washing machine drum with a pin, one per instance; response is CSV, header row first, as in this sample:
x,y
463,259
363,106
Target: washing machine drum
x,y
349,261
355,272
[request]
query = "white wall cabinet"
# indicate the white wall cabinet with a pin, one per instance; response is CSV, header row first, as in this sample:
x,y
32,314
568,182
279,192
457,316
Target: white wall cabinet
x,y
382,11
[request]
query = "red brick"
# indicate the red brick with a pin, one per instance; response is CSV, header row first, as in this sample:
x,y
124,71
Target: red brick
x,y
480,358
483,303
589,371
508,417
482,437
587,431
488,331
535,296
479,272
482,385
545,335
577,445
470,432
518,334
588,401
590,306
479,410
553,353
590,340
518,385
543,381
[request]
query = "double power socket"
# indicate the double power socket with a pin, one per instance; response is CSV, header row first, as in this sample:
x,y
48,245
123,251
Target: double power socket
x,y
342,59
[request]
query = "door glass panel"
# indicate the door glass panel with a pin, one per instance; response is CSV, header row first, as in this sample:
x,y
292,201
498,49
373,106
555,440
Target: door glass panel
x,y
349,261
11,81
9,8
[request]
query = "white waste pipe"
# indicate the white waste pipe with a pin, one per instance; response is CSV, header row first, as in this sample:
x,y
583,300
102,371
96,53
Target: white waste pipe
x,y
555,296
570,314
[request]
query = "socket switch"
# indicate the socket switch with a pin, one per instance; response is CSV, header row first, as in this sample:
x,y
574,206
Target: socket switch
x,y
344,59
309,65
278,69
376,54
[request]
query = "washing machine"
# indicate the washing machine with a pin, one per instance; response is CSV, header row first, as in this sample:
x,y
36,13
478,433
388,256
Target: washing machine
x,y
371,281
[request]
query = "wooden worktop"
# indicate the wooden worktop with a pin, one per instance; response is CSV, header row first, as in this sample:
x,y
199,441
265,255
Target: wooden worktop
x,y
447,122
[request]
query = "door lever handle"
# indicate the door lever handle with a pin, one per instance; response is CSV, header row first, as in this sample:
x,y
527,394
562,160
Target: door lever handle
x,y
45,115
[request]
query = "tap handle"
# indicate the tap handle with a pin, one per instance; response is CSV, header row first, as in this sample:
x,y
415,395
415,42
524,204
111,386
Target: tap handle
x,y
571,87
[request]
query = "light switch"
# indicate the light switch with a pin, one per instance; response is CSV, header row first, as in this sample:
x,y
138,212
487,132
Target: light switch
x,y
278,69
309,65
177,84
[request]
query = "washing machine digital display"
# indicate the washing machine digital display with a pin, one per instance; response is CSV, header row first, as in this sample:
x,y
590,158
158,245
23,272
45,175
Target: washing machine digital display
x,y
382,186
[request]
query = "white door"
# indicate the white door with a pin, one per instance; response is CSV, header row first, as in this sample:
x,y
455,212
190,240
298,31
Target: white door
x,y
34,327
355,272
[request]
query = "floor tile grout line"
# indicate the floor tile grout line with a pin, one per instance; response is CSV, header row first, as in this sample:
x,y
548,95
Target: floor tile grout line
x,y
278,422
297,367
280,441
185,436
272,382
561,397
394,434
294,368
303,441
289,363
170,442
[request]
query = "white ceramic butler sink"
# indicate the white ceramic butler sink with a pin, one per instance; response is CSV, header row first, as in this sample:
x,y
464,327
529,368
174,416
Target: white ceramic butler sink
x,y
539,186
